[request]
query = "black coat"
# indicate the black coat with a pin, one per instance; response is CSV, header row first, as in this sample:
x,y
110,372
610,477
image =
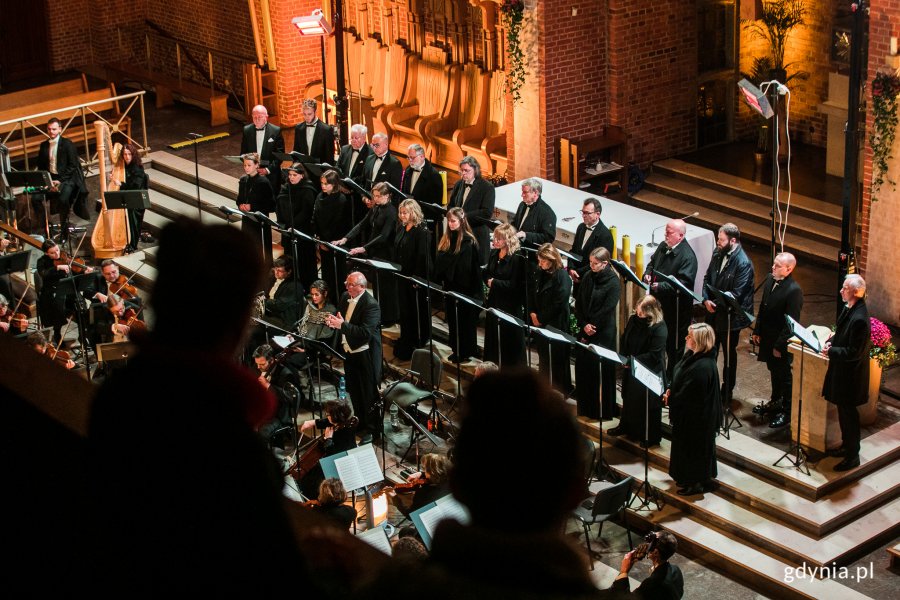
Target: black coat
x,y
257,192
695,411
411,250
460,272
540,226
288,304
375,232
272,142
681,263
322,143
429,185
598,296
507,291
737,278
135,178
331,217
68,169
600,237
647,345
665,583
847,377
295,205
771,326
364,327
390,170
358,172
479,208
549,298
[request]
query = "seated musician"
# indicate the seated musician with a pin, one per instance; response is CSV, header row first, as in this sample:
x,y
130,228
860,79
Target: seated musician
x,y
37,341
338,435
275,376
331,503
312,326
109,281
426,486
5,313
54,303
125,318
59,156
282,303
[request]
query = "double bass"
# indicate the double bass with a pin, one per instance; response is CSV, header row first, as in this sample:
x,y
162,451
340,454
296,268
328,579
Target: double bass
x,y
110,235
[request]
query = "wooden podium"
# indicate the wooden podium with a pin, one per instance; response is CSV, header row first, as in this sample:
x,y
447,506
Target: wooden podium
x,y
820,430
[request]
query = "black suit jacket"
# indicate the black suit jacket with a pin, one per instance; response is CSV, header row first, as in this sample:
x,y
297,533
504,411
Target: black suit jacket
x,y
479,208
376,231
847,378
428,185
600,237
595,304
272,142
737,278
257,192
540,226
665,583
681,263
771,327
343,163
288,303
322,143
68,169
390,170
363,327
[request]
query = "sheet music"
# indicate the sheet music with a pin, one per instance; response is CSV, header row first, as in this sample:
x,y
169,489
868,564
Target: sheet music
x,y
551,334
807,336
380,264
647,377
377,538
367,463
607,354
349,473
446,507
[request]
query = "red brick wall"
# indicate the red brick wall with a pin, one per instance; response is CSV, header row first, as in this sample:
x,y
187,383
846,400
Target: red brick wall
x,y
70,34
653,75
299,59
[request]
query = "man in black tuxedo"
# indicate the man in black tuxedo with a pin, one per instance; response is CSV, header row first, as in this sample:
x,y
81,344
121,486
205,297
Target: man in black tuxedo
x,y
535,221
665,582
730,270
265,139
847,377
475,195
781,296
420,180
590,235
381,165
275,377
312,137
675,258
351,163
59,156
358,320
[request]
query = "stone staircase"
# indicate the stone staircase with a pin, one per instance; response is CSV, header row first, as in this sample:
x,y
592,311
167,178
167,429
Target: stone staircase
x,y
677,188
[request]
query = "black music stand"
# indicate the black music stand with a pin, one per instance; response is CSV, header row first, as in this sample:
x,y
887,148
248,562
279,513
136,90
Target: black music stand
x,y
129,200
551,335
354,187
649,380
379,266
806,338
732,307
253,217
322,348
32,181
395,193
680,290
472,302
628,275
81,283
335,251
115,351
14,263
502,316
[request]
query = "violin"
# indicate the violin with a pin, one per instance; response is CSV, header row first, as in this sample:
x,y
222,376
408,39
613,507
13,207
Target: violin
x,y
316,449
75,266
130,319
17,321
123,289
60,356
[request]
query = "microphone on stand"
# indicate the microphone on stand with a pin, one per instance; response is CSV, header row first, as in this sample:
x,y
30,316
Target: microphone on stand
x,y
653,243
194,136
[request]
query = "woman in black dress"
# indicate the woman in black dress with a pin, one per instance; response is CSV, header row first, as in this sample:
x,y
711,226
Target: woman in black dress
x,y
412,251
55,302
338,435
695,411
549,307
457,269
331,221
645,341
330,503
135,179
373,237
431,484
505,278
294,208
595,310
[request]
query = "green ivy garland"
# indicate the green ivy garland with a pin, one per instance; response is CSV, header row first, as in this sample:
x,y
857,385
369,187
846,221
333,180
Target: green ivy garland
x,y
885,88
512,14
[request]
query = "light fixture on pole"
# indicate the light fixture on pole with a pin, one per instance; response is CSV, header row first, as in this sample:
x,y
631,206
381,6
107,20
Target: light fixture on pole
x,y
316,25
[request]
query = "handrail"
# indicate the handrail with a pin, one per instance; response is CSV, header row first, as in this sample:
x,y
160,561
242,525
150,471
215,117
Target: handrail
x,y
163,33
73,107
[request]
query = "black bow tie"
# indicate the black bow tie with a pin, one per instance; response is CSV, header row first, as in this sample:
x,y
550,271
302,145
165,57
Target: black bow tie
x,y
589,228
263,129
468,185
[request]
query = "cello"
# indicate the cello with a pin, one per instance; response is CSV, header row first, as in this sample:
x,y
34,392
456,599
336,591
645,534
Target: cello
x,y
315,450
110,235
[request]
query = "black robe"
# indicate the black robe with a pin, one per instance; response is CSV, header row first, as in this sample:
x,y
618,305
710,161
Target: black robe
x,y
598,296
681,263
847,377
330,222
294,210
550,293
479,207
257,192
506,294
646,344
411,252
135,179
460,272
695,411
375,233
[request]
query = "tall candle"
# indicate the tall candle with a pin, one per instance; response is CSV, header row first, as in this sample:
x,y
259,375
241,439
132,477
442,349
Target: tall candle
x,y
615,231
626,249
639,261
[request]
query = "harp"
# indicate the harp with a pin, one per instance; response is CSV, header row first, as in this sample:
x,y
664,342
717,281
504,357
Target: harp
x,y
110,234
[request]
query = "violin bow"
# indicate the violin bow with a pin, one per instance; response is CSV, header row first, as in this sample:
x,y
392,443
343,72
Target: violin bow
x,y
77,248
19,303
61,338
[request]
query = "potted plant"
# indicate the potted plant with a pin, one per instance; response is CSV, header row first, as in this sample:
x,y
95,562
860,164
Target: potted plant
x,y
882,354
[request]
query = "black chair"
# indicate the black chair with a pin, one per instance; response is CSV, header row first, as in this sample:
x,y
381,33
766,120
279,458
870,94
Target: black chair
x,y
607,504
423,370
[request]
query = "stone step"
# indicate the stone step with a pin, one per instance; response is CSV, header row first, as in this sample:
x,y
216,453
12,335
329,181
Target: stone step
x,y
144,273
808,249
183,169
171,207
749,190
750,209
186,193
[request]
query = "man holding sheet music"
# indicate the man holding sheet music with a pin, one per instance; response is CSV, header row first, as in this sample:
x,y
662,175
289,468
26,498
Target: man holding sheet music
x,y
781,296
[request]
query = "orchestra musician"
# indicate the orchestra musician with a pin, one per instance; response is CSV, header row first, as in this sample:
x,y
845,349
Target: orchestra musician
x,y
312,326
54,304
125,318
312,137
59,156
331,221
426,486
331,503
111,282
412,248
255,194
457,269
274,376
505,278
351,162
5,313
294,210
338,435
135,179
40,345
475,195
549,307
282,302
264,139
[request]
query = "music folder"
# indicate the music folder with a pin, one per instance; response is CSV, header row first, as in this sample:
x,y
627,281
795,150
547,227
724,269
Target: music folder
x,y
28,179
356,468
131,199
427,518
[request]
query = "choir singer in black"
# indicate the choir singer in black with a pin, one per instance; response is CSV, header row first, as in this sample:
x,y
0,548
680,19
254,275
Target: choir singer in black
x,y
549,307
412,251
255,194
475,195
505,279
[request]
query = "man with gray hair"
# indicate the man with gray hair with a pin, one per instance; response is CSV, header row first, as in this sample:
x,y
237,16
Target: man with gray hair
x,y
421,180
265,139
475,195
847,378
351,164
535,221
381,165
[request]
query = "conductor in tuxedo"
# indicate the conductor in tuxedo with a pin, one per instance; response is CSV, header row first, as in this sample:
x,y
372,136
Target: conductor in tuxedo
x,y
781,296
591,234
382,166
535,221
847,377
675,258
358,320
351,163
312,137
59,156
265,139
475,195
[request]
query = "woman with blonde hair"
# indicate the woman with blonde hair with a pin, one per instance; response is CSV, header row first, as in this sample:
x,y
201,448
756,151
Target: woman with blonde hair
x,y
505,278
695,411
412,251
644,340
548,305
457,269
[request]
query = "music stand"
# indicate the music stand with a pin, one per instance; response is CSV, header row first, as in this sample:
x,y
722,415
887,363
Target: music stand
x,y
335,250
628,275
552,335
406,396
14,263
680,290
395,193
322,348
502,316
806,338
130,200
727,300
115,351
472,302
32,181
80,283
651,382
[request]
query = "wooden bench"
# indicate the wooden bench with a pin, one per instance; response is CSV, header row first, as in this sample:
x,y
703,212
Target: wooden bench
x,y
490,148
68,111
466,117
167,87
51,91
